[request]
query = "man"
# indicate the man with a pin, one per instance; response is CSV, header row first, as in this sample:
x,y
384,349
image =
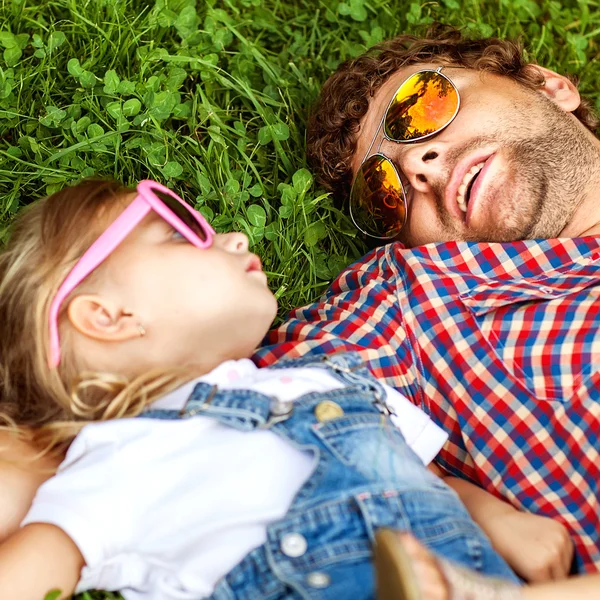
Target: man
x,y
531,118
495,335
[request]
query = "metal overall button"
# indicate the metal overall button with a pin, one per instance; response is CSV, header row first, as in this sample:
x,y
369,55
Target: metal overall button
x,y
380,401
293,544
337,364
383,407
328,410
318,580
184,412
281,408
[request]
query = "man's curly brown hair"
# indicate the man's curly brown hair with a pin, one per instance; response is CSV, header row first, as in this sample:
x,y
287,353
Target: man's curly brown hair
x,y
344,99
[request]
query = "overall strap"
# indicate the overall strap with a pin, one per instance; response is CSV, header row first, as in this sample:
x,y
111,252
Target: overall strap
x,y
248,409
239,408
350,360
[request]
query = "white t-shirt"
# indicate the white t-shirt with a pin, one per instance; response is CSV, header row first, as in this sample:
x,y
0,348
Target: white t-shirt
x,y
161,510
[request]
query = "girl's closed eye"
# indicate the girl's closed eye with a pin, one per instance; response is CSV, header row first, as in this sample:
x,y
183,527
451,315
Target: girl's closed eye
x,y
176,235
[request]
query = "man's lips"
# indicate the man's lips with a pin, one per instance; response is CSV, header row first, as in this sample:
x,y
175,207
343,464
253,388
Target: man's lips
x,y
458,174
477,186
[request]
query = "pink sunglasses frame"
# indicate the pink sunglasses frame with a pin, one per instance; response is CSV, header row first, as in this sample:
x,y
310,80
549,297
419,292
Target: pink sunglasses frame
x,y
145,201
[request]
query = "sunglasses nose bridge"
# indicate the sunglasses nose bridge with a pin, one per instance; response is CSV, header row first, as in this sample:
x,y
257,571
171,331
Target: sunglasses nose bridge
x,y
397,154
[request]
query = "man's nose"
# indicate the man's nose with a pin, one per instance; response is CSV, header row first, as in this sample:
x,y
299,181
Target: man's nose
x,y
235,242
421,164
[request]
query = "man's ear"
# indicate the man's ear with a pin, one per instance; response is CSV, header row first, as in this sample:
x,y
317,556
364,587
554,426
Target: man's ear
x,y
559,89
99,318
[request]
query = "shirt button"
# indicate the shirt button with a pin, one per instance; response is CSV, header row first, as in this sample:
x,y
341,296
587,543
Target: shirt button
x,y
327,410
318,580
281,408
293,545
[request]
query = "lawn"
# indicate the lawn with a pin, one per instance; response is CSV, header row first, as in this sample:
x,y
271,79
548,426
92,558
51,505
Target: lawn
x,y
212,99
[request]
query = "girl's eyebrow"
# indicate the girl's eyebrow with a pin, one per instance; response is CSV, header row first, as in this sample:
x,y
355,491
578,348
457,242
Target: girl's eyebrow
x,y
152,218
154,224
162,226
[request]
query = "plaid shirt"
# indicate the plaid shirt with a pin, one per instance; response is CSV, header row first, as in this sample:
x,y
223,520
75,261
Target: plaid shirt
x,y
500,345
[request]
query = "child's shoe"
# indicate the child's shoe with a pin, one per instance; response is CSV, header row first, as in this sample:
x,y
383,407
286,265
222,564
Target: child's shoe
x,y
405,570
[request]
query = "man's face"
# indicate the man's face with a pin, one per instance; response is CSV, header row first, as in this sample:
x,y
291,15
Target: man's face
x,y
512,165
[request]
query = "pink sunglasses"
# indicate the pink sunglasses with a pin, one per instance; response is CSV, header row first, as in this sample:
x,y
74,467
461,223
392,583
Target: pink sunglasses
x,y
150,196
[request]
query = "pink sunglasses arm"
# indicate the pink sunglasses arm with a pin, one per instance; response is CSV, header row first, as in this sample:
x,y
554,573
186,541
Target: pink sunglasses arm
x,y
95,255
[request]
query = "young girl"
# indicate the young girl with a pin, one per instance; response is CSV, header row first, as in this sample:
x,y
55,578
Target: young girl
x,y
127,324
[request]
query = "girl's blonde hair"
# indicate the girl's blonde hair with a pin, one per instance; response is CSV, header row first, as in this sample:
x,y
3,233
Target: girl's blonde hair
x,y
44,405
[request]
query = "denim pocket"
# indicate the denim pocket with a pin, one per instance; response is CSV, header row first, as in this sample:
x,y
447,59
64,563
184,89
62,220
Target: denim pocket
x,y
371,444
437,518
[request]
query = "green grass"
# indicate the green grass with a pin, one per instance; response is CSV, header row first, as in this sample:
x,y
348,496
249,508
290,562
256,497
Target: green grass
x,y
212,99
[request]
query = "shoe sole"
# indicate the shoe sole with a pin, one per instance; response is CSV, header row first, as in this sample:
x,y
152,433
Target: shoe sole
x,y
395,577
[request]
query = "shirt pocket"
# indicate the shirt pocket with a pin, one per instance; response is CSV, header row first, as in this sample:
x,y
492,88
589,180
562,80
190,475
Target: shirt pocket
x,y
544,331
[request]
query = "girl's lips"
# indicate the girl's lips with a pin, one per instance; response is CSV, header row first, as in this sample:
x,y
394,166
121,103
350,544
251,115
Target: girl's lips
x,y
254,264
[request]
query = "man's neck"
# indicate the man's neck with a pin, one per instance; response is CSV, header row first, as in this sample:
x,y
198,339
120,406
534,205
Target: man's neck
x,y
586,218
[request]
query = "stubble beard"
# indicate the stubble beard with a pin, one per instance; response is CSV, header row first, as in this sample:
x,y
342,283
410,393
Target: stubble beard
x,y
551,168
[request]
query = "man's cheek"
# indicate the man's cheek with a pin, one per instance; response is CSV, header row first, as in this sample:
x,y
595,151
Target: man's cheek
x,y
423,227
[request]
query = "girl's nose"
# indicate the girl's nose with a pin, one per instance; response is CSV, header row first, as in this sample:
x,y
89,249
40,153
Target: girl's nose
x,y
235,242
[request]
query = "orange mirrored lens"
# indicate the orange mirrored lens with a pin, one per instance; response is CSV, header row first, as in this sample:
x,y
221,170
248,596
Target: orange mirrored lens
x,y
425,103
377,202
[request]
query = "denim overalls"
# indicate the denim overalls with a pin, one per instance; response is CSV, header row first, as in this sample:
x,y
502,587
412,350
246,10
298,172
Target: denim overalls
x,y
365,477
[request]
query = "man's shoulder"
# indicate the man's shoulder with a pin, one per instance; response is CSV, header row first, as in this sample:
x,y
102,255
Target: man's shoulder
x,y
515,259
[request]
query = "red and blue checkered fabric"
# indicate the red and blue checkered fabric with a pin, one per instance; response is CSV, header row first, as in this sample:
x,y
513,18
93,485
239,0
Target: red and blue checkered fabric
x,y
500,345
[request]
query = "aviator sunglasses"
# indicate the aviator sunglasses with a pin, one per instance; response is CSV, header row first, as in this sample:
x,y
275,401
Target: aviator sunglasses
x,y
150,196
423,105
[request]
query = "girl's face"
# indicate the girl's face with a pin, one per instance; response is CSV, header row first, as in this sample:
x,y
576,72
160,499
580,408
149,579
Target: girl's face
x,y
197,306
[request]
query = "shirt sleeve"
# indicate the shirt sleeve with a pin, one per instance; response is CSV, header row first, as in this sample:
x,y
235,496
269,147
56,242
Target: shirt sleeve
x,y
420,432
79,497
